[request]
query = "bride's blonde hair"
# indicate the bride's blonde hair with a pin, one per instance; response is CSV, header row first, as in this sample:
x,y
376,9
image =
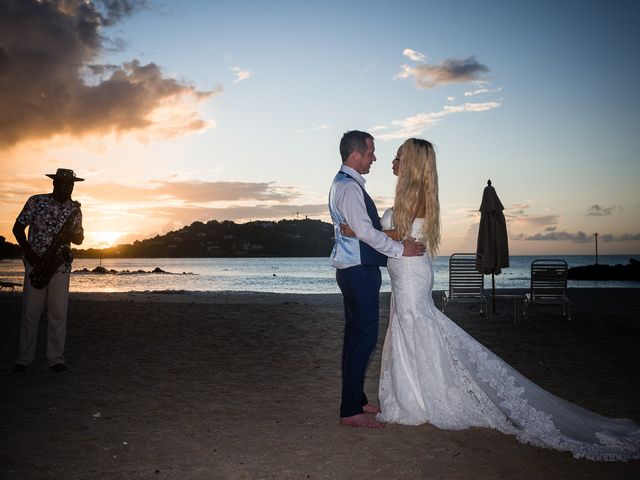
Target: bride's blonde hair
x,y
418,183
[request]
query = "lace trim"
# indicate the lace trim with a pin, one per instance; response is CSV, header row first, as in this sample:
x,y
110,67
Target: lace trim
x,y
533,426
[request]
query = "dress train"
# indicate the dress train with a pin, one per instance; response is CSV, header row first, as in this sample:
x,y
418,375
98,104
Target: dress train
x,y
434,372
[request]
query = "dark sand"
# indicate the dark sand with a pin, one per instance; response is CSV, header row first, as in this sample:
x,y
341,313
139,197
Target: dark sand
x,y
246,386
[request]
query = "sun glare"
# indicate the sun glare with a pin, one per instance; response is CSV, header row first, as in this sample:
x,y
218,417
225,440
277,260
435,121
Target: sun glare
x,y
103,239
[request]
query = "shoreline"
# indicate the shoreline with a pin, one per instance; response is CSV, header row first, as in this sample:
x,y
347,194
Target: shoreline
x,y
246,385
259,297
303,276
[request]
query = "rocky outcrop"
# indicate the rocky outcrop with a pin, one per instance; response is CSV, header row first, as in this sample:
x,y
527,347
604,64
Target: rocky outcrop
x,y
100,270
628,272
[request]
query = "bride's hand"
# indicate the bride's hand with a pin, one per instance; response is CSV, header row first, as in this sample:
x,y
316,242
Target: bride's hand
x,y
346,230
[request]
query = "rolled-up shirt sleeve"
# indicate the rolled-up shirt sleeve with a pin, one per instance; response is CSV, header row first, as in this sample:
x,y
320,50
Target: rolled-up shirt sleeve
x,y
355,213
26,215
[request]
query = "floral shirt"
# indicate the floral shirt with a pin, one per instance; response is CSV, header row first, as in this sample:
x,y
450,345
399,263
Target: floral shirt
x,y
45,216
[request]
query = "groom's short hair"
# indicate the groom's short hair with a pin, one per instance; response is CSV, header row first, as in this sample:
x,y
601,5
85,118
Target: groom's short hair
x,y
353,140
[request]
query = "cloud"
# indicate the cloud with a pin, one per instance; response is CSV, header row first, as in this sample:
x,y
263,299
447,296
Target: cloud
x,y
377,128
321,127
598,211
240,74
195,192
51,83
627,237
578,237
449,71
413,55
471,107
524,220
157,194
242,212
481,90
417,124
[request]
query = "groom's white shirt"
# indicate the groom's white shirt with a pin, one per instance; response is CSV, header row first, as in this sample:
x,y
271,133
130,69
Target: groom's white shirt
x,y
347,204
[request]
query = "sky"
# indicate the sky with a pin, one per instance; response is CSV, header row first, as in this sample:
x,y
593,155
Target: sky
x,y
183,111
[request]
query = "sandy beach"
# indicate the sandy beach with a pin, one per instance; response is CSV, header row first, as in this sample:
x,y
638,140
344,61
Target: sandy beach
x,y
246,386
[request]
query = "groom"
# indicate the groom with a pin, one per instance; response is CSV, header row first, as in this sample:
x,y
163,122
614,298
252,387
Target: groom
x,y
357,261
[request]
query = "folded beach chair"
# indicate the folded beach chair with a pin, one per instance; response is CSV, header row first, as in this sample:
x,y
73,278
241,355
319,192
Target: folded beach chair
x,y
11,285
466,281
549,284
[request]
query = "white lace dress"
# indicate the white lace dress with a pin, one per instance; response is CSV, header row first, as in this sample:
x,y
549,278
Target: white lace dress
x,y
434,372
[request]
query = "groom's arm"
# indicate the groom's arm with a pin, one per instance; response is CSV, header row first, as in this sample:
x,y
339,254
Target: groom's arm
x,y
355,213
348,232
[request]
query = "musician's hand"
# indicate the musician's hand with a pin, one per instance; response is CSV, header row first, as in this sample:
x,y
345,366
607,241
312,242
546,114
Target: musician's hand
x,y
412,248
76,238
72,237
346,230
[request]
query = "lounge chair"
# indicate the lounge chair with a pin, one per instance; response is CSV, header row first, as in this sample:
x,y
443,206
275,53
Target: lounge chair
x,y
11,285
549,284
466,281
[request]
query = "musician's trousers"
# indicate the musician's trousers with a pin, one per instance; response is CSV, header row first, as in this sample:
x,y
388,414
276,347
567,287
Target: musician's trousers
x,y
55,297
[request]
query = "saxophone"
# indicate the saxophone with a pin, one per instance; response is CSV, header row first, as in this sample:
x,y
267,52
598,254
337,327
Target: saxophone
x,y
57,253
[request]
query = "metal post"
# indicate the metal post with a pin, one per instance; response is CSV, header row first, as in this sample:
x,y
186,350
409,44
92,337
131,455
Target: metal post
x,y
493,291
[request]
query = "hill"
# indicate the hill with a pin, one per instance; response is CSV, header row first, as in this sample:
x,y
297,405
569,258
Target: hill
x,y
9,250
285,238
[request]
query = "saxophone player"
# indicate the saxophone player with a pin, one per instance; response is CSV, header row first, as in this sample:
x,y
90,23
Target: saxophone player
x,y
54,220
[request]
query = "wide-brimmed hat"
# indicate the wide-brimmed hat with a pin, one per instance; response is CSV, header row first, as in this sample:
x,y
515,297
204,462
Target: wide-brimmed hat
x,y
65,174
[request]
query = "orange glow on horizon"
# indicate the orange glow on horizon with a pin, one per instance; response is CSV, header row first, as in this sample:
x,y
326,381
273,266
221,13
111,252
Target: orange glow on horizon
x,y
100,239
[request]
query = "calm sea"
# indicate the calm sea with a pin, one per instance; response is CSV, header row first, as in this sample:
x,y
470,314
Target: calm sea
x,y
277,275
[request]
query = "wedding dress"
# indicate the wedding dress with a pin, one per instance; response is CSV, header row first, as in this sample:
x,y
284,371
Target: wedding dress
x,y
434,372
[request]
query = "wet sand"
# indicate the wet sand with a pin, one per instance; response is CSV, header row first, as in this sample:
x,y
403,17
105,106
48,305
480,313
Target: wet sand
x,y
246,386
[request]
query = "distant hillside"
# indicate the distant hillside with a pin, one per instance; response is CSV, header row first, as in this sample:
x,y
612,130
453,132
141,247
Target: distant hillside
x,y
9,250
286,238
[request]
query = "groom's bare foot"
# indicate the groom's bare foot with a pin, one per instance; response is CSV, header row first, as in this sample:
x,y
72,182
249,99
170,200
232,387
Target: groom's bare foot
x,y
371,408
361,420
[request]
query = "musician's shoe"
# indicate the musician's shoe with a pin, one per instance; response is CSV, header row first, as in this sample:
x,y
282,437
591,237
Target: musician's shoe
x,y
19,368
58,367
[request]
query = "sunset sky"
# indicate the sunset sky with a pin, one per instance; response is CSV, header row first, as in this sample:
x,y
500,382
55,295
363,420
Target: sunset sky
x,y
177,111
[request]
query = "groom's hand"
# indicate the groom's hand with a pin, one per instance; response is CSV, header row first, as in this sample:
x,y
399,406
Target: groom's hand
x,y
346,230
412,248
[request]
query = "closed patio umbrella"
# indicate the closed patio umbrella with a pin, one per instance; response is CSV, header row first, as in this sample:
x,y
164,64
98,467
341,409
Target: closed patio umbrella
x,y
493,243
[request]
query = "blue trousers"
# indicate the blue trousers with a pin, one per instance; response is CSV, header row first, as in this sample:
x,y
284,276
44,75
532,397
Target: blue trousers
x,y
360,287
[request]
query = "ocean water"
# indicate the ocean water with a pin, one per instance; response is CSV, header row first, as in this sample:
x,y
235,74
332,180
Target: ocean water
x,y
276,275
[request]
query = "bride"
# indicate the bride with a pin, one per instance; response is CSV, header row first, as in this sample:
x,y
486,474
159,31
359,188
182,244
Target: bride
x,y
434,372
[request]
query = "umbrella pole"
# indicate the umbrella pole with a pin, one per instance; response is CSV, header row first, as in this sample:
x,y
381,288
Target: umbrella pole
x,y
493,292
